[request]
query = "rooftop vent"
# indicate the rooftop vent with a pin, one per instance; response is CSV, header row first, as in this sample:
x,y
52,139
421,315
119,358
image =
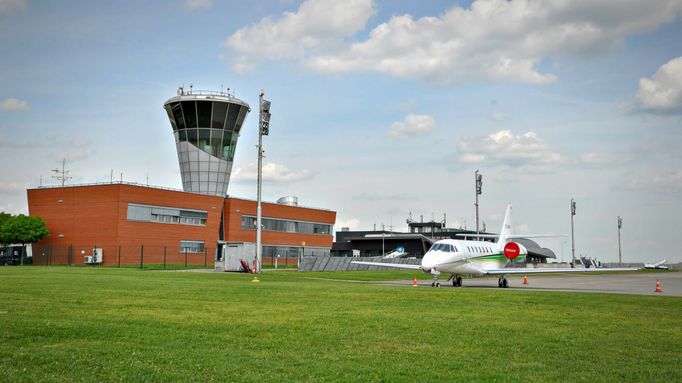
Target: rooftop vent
x,y
289,201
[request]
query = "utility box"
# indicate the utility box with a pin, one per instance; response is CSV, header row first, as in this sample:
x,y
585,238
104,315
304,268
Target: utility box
x,y
95,258
232,254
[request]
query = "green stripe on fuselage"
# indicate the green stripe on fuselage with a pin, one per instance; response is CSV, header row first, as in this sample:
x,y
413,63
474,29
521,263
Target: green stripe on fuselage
x,y
495,257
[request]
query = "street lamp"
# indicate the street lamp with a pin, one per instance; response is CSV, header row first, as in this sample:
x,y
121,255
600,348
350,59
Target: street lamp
x,y
572,232
620,226
478,178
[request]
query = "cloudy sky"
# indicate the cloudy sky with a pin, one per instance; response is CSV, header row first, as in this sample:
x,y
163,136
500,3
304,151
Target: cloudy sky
x,y
380,108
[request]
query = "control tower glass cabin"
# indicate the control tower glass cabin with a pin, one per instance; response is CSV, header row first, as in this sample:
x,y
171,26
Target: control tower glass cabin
x,y
206,126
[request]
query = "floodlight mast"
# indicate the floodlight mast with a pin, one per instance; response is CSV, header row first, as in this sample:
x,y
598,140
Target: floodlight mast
x,y
620,226
478,178
263,130
572,232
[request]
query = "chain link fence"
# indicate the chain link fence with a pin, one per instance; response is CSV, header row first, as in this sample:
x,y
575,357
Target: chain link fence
x,y
131,256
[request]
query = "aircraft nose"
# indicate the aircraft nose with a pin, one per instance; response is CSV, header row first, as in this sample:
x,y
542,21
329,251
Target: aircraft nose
x,y
427,262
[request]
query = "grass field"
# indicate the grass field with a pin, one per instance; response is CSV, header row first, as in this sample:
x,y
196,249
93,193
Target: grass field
x,y
82,324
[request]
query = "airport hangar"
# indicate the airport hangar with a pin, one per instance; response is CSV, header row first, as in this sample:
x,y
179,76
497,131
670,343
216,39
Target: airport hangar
x,y
128,223
417,241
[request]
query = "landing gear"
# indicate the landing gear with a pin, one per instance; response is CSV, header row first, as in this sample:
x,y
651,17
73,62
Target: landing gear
x,y
502,282
435,274
457,281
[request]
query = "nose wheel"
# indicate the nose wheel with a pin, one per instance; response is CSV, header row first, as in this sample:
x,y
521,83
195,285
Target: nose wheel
x,y
502,282
435,274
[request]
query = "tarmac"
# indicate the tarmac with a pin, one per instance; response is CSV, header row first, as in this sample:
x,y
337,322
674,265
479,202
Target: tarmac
x,y
630,283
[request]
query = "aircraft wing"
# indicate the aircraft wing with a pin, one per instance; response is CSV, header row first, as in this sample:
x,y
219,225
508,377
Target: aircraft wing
x,y
394,265
517,236
512,271
478,235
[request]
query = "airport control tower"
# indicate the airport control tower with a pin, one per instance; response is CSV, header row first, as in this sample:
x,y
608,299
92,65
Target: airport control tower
x,y
206,126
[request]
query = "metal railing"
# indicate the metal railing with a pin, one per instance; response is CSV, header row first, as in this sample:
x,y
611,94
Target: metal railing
x,y
157,257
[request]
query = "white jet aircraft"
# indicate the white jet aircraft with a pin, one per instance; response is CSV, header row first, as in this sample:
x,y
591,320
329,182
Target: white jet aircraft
x,y
481,258
660,265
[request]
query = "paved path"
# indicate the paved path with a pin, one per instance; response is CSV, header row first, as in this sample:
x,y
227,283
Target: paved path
x,y
632,283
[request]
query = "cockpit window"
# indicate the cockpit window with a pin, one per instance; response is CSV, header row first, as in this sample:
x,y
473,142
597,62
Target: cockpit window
x,y
443,247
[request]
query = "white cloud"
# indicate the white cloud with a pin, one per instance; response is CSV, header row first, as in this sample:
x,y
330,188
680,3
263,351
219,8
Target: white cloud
x,y
10,187
13,105
71,155
9,6
662,93
498,116
525,150
491,40
667,182
272,172
351,223
413,125
672,180
291,35
374,196
603,159
196,4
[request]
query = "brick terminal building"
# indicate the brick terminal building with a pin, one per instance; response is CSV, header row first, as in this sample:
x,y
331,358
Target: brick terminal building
x,y
127,222
133,224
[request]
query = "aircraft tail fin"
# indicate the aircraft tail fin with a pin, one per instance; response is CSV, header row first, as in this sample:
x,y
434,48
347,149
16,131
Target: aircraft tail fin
x,y
506,230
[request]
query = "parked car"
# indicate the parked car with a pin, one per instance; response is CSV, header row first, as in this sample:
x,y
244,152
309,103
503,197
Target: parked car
x,y
10,255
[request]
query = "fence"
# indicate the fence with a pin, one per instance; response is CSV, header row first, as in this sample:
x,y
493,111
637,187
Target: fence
x,y
285,262
137,256
344,263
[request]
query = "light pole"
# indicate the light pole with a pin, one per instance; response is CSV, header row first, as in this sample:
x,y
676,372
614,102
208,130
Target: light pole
x,y
572,232
383,247
620,226
478,178
263,130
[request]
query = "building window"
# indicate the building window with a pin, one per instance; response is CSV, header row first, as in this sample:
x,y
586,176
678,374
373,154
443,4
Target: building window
x,y
287,226
192,246
164,214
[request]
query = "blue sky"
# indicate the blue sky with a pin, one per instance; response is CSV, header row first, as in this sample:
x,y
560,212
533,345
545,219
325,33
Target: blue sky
x,y
379,108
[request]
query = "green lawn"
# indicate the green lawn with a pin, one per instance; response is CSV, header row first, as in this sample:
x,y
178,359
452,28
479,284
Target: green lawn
x,y
101,324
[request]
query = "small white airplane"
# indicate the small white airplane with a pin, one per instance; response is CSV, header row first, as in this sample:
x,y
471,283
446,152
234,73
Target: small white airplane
x,y
481,258
660,265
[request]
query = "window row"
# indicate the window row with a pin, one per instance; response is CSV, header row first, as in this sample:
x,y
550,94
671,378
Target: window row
x,y
480,249
175,219
206,114
192,246
215,142
162,214
287,226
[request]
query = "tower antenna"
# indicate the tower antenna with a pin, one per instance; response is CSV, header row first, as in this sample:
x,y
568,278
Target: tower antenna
x,y
62,174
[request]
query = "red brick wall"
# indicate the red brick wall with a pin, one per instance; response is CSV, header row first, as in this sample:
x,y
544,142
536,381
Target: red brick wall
x,y
96,215
235,208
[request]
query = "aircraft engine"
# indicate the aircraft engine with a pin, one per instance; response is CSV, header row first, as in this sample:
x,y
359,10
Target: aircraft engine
x,y
513,250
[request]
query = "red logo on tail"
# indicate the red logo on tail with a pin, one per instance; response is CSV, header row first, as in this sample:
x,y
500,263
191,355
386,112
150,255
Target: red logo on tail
x,y
512,250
